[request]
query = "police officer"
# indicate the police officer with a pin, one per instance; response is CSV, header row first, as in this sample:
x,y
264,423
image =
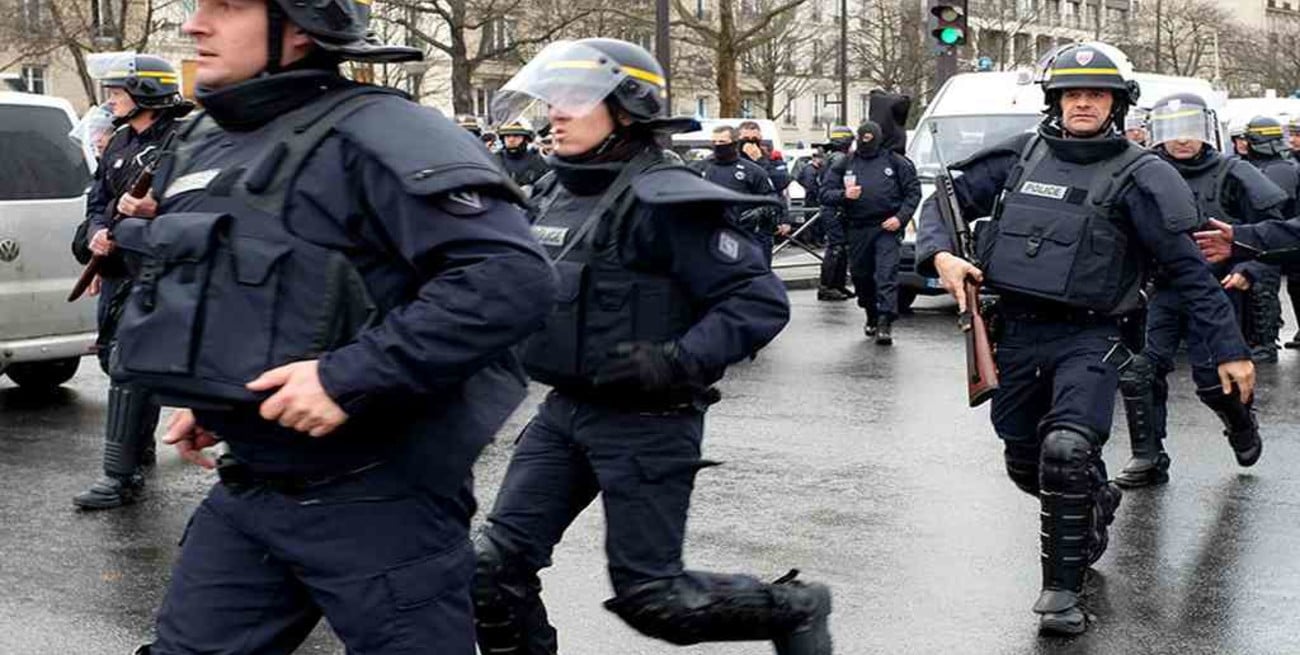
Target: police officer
x,y
1078,211
144,97
1182,129
726,168
753,149
1292,271
1293,138
332,284
809,178
1135,126
1239,144
523,164
660,293
1267,150
833,282
877,190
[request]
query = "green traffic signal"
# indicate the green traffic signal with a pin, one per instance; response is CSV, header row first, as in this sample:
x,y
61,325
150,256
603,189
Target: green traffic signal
x,y
950,35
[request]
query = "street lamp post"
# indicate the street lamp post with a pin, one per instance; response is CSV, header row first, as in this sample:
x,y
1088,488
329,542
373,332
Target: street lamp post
x,y
844,62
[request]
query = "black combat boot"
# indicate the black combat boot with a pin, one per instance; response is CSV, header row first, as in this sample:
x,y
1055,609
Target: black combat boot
x,y
1294,343
870,328
1239,422
1070,523
832,295
1149,464
1105,502
884,331
698,607
128,450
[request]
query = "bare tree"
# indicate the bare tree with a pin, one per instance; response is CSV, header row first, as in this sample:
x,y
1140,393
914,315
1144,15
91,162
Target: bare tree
x,y
776,63
504,29
1252,64
41,28
728,31
1189,34
1002,23
888,47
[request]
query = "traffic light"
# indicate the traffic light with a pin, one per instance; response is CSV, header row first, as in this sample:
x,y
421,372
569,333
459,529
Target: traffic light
x,y
949,22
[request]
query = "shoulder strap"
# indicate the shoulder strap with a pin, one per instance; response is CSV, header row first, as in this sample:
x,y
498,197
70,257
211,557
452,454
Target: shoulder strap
x,y
617,189
292,140
1030,156
1114,175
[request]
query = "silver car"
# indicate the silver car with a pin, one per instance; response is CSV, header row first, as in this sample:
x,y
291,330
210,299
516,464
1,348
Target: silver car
x,y
43,180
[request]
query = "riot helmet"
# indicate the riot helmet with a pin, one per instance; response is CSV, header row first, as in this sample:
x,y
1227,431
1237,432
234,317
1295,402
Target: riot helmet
x,y
1264,134
151,81
340,27
1183,117
469,124
1091,65
841,138
576,76
518,127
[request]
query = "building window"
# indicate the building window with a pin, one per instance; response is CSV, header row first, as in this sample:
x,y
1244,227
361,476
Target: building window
x,y
747,108
34,15
34,79
816,11
864,107
498,35
702,9
702,106
101,16
791,115
483,102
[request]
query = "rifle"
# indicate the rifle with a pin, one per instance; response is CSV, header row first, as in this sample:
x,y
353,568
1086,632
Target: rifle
x,y
981,371
139,187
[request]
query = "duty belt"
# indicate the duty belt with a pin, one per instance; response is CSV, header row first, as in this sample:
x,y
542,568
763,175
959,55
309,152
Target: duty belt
x,y
238,477
1060,315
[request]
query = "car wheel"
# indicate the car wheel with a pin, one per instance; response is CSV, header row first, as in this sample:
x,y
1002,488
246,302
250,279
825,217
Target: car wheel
x,y
43,375
905,300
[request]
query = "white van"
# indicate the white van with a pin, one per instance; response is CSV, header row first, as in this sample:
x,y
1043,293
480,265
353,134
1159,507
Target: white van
x,y
973,111
43,180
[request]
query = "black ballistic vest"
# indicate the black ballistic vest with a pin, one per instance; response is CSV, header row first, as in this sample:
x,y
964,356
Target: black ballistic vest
x,y
226,290
602,300
1057,233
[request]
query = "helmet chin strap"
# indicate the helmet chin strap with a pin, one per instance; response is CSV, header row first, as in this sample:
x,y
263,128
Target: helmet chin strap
x,y
275,21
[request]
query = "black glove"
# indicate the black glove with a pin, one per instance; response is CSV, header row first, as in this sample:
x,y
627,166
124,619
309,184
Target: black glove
x,y
643,365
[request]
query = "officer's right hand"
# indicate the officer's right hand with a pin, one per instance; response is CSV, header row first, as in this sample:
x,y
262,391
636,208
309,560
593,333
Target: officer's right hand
x,y
1216,244
145,207
1235,282
853,193
101,244
184,433
1240,372
953,273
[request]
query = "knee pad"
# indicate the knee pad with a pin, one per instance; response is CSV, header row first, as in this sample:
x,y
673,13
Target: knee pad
x,y
1065,463
509,617
1022,465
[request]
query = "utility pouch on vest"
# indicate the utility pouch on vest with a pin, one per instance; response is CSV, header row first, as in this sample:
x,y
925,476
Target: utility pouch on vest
x,y
555,353
227,294
1057,241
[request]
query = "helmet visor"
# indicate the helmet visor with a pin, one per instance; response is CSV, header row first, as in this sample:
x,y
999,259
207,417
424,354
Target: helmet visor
x,y
1178,122
106,66
567,76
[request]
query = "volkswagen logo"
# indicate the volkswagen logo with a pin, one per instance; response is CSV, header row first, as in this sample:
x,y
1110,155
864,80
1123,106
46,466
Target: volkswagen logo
x,y
8,250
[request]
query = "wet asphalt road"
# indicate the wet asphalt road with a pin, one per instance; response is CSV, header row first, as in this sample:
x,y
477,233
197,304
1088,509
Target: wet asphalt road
x,y
860,465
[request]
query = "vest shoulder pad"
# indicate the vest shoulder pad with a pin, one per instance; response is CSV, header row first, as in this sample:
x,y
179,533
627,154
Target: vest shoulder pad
x,y
426,152
675,185
1013,146
1160,181
1259,190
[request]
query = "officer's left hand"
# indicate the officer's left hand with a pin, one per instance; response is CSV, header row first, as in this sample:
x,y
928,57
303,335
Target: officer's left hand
x,y
892,224
641,364
784,229
301,402
145,207
1236,281
1242,372
1216,244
